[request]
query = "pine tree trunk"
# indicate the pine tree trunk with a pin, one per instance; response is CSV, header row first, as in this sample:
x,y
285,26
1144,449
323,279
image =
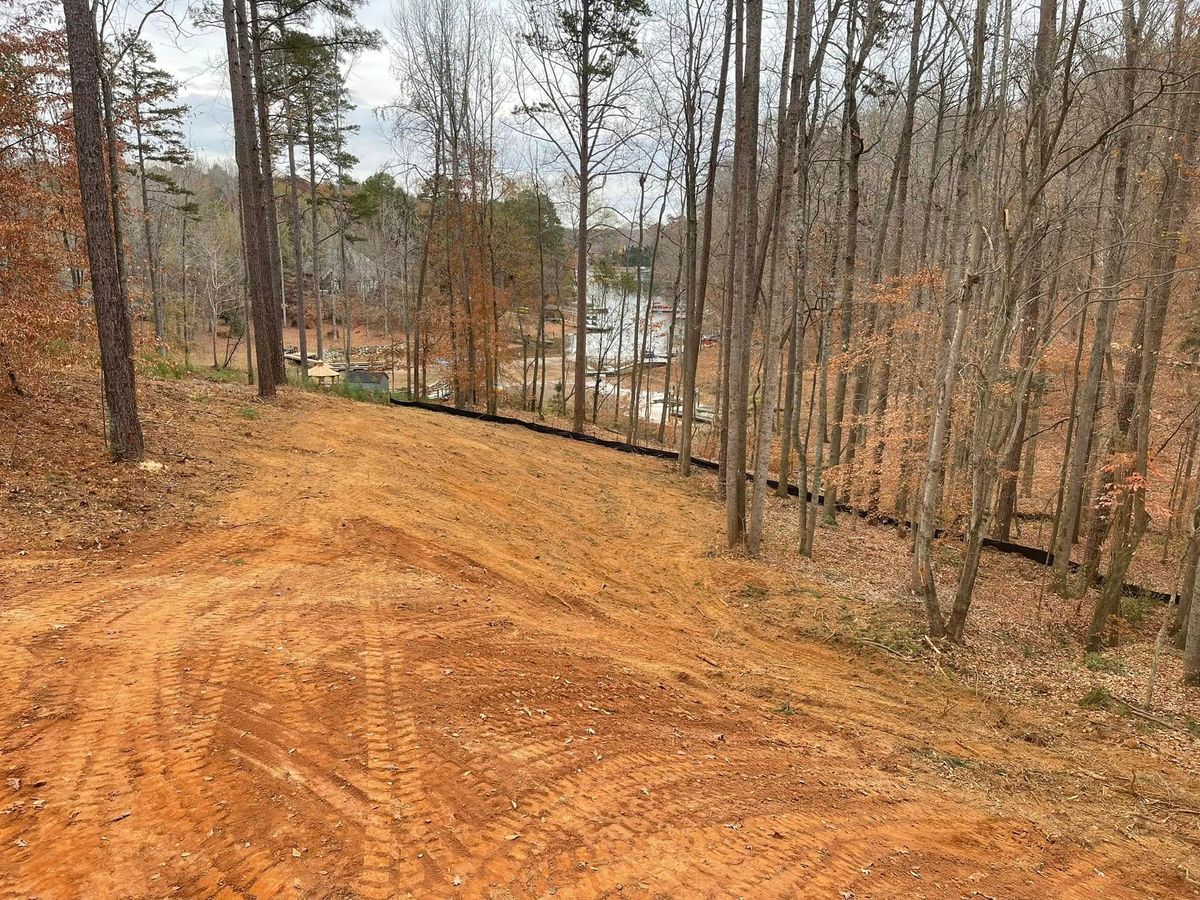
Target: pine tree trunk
x,y
112,313
274,258
114,180
255,244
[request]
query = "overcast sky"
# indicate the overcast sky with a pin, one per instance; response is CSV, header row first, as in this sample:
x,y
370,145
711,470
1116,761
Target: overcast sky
x,y
197,59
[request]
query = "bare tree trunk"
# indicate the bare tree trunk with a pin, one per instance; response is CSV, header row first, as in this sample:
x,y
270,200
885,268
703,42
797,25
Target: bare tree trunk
x,y
249,180
1187,586
1115,242
581,251
112,314
156,304
666,387
962,287
891,267
640,354
1191,633
854,152
694,323
274,259
631,428
914,384
792,113
114,178
1006,502
294,227
1132,518
313,222
821,388
745,284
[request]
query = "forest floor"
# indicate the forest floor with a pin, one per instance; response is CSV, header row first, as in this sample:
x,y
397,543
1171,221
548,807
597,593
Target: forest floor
x,y
336,649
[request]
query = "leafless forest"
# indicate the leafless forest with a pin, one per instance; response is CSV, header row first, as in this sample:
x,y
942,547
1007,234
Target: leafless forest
x,y
894,251
916,279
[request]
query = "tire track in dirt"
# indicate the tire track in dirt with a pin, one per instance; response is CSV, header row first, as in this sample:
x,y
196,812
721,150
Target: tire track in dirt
x,y
468,666
109,749
385,867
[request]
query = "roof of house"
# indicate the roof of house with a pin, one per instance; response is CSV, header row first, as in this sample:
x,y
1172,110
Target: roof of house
x,y
322,370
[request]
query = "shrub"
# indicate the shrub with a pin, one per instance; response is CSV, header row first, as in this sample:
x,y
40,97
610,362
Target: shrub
x,y
1096,698
1135,609
1098,662
220,375
752,591
155,366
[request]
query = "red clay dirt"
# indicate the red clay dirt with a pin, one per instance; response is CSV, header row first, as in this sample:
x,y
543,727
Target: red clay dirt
x,y
416,656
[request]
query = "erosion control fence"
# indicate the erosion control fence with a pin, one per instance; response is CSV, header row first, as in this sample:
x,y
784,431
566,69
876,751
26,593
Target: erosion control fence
x,y
1033,554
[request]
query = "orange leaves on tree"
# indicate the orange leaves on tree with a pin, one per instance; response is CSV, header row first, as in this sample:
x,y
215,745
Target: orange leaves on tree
x,y
40,253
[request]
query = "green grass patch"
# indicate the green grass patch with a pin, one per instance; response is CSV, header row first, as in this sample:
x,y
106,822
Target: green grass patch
x,y
1098,662
1135,609
1096,698
897,640
220,374
752,591
151,365
339,389
802,591
58,348
248,412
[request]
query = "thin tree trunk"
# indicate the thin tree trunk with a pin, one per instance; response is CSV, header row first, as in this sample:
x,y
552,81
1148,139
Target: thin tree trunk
x,y
156,304
294,226
962,287
694,323
1105,315
313,222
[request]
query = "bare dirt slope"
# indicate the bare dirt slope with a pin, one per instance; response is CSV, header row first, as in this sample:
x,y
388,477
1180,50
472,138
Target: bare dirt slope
x,y
418,656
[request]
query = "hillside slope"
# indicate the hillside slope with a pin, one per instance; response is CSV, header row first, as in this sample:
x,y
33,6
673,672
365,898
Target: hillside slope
x,y
421,656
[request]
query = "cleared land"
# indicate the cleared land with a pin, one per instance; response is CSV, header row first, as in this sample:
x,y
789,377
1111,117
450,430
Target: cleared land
x,y
419,656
